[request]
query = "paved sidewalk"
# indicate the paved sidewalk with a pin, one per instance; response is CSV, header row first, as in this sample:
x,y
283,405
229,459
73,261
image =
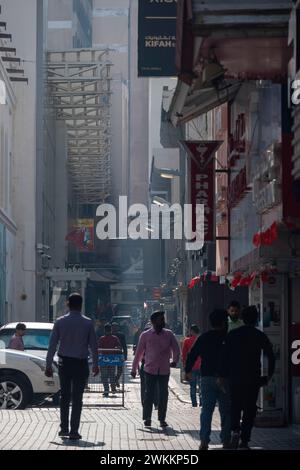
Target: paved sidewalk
x,y
107,426
262,438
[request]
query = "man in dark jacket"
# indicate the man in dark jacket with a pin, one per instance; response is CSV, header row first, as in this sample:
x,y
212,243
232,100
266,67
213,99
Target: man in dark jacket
x,y
241,364
209,346
122,338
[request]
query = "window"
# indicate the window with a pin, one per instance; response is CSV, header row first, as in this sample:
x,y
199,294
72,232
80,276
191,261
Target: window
x,y
33,339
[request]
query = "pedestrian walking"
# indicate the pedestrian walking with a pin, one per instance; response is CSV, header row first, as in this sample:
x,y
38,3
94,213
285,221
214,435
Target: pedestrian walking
x,y
16,341
234,315
208,346
107,344
195,379
141,371
241,364
157,346
122,338
75,335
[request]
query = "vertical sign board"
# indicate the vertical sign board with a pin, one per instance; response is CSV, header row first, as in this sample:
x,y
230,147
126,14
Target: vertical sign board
x,y
202,180
157,38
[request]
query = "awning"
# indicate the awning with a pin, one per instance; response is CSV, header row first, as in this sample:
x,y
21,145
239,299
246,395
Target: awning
x,y
248,39
107,278
206,99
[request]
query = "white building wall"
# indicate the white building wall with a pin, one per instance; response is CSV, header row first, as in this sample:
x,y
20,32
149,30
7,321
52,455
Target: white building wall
x,y
7,111
110,31
138,118
21,21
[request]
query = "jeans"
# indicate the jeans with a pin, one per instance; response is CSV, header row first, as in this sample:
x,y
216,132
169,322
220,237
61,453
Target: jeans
x,y
108,376
193,386
212,394
73,374
119,374
152,382
243,404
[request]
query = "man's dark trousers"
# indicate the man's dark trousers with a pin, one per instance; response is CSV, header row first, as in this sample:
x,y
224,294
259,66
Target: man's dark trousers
x,y
151,384
244,395
143,387
73,374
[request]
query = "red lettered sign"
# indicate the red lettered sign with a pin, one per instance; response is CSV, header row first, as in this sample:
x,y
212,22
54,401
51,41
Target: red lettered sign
x,y
202,180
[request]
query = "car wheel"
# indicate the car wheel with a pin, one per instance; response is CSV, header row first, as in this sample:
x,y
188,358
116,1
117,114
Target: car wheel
x,y
14,392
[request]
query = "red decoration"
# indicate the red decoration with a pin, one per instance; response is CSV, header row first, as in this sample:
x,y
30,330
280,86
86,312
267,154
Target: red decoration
x,y
214,278
236,281
264,276
257,239
194,281
266,238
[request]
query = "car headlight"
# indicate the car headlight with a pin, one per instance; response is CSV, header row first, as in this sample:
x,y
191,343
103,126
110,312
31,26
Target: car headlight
x,y
39,363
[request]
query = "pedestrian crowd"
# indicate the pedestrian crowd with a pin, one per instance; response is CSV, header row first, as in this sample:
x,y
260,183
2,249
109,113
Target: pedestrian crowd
x,y
222,365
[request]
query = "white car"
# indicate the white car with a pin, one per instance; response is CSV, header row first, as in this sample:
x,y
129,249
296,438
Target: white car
x,y
22,378
36,338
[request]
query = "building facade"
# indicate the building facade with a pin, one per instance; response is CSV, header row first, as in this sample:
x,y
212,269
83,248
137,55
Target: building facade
x,y
257,204
8,228
69,24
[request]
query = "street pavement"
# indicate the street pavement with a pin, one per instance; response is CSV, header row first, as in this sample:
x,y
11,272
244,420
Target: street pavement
x,y
106,425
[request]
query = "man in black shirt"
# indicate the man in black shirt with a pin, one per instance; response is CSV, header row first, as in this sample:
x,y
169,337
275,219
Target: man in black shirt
x,y
209,346
241,364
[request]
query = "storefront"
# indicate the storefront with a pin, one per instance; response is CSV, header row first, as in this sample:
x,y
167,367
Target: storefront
x,y
264,221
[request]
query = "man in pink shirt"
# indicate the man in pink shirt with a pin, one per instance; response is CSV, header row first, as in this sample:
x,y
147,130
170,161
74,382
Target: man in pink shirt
x,y
16,341
157,346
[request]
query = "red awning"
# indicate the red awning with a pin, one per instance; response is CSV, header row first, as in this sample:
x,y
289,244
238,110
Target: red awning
x,y
250,58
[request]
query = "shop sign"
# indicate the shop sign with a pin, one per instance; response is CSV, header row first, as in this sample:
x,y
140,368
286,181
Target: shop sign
x,y
237,140
82,235
157,38
202,180
238,188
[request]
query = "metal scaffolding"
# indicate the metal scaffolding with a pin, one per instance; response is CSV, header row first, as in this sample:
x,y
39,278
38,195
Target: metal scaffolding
x,y
79,83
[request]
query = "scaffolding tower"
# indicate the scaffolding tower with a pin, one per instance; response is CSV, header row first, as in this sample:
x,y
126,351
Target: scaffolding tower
x,y
79,82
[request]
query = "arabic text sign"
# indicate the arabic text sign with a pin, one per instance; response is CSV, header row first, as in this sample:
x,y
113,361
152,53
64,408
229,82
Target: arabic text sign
x,y
110,360
157,38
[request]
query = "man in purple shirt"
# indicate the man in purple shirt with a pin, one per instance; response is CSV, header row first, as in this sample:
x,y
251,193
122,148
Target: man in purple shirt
x,y
157,346
16,341
75,335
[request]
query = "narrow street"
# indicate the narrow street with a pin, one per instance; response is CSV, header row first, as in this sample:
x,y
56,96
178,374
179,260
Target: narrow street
x,y
105,425
150,196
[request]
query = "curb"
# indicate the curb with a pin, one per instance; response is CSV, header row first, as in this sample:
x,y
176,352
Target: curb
x,y
173,387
